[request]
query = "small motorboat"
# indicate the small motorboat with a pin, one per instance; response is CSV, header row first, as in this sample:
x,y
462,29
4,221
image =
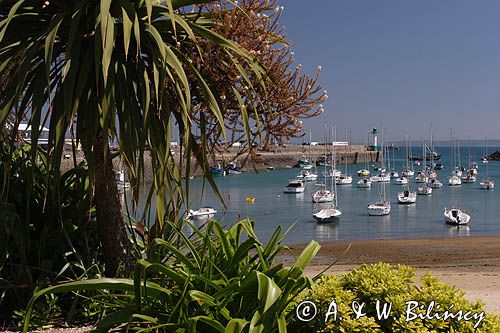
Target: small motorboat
x,y
295,186
380,178
204,213
327,215
456,216
270,168
407,197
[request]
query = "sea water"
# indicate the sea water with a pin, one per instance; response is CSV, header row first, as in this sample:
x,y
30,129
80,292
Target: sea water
x,y
273,208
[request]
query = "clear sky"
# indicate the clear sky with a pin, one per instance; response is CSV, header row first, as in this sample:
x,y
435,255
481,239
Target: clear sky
x,y
402,65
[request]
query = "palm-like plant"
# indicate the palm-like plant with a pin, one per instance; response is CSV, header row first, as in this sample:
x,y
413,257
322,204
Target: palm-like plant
x,y
116,66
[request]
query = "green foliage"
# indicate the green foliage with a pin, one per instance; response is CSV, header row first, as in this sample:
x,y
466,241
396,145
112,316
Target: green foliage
x,y
47,228
388,284
216,281
125,70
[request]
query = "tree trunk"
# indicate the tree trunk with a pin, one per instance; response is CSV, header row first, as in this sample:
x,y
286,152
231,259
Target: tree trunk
x,y
111,228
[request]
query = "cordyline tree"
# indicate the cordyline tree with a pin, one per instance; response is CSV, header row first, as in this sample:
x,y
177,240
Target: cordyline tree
x,y
272,113
129,71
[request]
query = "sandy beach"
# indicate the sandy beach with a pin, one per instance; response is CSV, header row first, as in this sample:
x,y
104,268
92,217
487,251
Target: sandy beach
x,y
469,263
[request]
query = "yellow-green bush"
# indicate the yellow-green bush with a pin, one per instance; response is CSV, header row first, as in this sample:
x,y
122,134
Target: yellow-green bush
x,y
391,285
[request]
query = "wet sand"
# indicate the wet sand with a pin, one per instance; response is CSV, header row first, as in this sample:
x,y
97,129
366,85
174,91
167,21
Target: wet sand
x,y
469,263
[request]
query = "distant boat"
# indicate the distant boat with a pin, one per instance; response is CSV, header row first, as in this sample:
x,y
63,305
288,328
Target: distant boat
x,y
217,170
438,166
327,215
363,173
456,216
343,180
407,197
487,183
270,168
381,207
306,175
434,183
233,169
203,213
364,183
120,180
331,173
380,178
401,181
295,186
333,213
323,194
424,190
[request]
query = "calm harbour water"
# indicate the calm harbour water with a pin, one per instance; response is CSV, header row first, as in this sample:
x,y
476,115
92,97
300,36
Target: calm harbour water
x,y
272,207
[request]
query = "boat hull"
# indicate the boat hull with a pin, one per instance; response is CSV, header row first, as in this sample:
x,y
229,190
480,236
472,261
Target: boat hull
x,y
328,215
379,209
455,216
407,198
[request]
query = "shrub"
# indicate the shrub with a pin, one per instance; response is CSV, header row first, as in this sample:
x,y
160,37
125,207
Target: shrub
x,y
47,230
393,285
217,281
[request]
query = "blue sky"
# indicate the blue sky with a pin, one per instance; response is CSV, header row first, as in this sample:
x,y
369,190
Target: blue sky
x,y
402,65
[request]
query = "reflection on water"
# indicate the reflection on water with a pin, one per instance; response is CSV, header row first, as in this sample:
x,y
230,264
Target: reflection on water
x,y
458,230
327,231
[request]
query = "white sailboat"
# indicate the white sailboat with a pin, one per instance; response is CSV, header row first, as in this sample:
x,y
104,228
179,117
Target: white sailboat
x,y
344,178
323,194
456,216
381,207
454,179
366,171
393,174
487,183
424,190
333,213
407,196
408,170
470,176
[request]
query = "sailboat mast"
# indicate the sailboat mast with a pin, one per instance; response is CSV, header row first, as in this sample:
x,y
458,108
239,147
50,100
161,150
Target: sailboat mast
x,y
452,150
334,180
